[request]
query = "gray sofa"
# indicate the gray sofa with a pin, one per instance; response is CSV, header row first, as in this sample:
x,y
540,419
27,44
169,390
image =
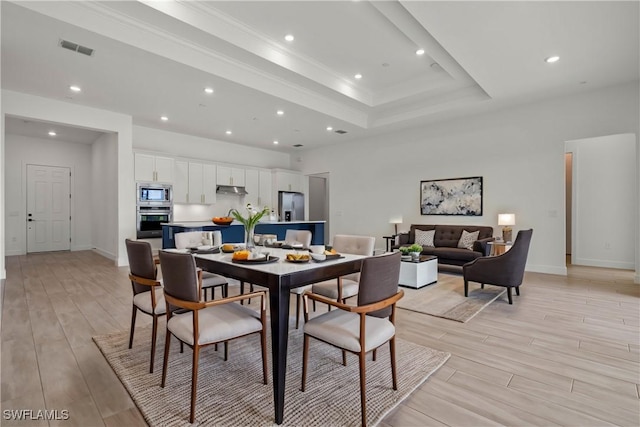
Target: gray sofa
x,y
446,242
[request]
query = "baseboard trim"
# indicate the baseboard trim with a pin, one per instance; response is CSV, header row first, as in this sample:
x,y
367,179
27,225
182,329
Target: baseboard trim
x,y
603,263
547,269
105,254
14,252
636,279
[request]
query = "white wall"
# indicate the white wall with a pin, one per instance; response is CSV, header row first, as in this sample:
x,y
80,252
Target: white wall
x,y
104,197
39,151
44,109
181,145
605,204
519,152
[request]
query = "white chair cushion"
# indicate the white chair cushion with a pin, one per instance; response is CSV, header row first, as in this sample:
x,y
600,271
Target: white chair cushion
x,y
209,280
143,301
216,324
342,329
329,288
301,290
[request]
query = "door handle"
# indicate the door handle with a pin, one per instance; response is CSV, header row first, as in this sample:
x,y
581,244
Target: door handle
x,y
30,220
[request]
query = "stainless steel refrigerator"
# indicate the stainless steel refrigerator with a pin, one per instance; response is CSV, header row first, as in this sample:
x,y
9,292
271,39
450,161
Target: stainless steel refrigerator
x,y
290,206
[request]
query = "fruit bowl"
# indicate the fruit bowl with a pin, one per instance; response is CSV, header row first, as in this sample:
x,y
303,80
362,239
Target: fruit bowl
x,y
222,220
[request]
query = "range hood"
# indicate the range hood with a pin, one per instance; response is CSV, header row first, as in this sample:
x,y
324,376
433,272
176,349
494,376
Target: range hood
x,y
231,189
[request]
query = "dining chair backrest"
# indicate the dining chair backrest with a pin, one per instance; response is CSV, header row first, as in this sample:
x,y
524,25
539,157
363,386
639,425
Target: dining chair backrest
x,y
379,277
141,262
179,276
191,239
300,236
355,245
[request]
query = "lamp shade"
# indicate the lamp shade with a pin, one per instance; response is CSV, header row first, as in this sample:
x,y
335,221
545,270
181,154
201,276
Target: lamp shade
x,y
506,219
396,220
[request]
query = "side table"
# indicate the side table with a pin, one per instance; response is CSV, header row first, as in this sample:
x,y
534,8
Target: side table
x,y
389,240
498,248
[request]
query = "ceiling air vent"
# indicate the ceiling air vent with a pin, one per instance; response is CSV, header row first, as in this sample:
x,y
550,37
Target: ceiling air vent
x,y
297,145
340,131
76,47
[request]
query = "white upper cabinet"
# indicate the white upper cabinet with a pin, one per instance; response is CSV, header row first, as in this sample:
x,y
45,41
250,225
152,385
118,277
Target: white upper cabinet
x,y
195,183
258,186
287,181
181,182
227,175
150,168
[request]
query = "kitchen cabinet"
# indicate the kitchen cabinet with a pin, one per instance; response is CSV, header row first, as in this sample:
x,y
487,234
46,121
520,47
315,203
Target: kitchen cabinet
x,y
227,175
181,182
150,168
195,183
202,183
287,181
258,186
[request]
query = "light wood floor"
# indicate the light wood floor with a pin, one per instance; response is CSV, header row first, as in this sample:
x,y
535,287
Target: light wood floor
x,y
565,353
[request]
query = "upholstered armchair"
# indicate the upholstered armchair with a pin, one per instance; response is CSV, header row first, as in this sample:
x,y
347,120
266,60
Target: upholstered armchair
x,y
503,270
190,239
202,323
363,328
346,286
147,291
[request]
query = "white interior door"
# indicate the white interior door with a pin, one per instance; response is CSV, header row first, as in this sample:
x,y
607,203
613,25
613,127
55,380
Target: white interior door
x,y
48,208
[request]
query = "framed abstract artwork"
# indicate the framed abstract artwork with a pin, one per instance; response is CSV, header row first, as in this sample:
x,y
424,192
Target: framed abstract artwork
x,y
455,196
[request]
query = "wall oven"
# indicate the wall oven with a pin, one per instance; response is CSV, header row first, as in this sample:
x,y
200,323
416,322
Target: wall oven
x,y
154,206
150,219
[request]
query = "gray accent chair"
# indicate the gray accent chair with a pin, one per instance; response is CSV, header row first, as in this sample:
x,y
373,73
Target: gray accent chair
x,y
147,291
503,270
373,318
204,322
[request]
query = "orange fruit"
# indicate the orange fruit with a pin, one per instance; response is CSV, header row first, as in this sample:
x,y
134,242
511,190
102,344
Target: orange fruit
x,y
241,255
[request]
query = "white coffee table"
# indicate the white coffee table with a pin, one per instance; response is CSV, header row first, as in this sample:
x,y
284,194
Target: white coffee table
x,y
416,274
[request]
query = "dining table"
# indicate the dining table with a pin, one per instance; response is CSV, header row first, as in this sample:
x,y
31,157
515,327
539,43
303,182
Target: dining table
x,y
279,276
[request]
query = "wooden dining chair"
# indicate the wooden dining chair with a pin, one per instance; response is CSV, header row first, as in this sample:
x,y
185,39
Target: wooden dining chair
x,y
204,322
189,239
346,286
147,290
363,328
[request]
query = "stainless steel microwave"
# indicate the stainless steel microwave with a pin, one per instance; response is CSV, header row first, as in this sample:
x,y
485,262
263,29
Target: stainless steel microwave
x,y
154,194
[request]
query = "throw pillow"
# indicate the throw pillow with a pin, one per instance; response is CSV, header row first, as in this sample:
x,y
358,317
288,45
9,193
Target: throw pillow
x,y
467,239
425,238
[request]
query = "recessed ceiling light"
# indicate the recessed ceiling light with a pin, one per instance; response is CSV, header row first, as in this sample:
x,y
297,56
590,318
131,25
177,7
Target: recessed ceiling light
x,y
208,90
280,112
52,133
164,118
329,128
275,142
358,76
289,37
75,88
552,59
228,132
420,52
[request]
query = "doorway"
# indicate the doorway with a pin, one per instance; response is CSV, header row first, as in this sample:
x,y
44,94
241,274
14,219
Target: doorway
x,y
319,201
48,208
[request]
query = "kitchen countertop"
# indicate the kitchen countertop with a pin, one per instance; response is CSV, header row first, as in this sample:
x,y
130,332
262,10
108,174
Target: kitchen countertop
x,y
198,224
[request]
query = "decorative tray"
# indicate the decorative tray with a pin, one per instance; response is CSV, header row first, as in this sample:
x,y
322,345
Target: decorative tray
x,y
267,260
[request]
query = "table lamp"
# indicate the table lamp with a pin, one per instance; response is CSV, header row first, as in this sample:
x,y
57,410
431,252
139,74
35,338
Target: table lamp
x,y
507,220
395,221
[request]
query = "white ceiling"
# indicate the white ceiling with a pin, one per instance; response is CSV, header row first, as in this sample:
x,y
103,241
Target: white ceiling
x,y
155,58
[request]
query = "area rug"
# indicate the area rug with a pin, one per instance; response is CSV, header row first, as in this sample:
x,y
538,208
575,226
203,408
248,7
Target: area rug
x,y
446,298
231,393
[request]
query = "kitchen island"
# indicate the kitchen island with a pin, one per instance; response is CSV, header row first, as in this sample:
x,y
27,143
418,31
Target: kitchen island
x,y
234,233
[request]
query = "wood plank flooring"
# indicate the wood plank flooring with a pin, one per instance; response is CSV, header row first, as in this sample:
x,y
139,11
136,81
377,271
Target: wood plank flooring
x,y
567,352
